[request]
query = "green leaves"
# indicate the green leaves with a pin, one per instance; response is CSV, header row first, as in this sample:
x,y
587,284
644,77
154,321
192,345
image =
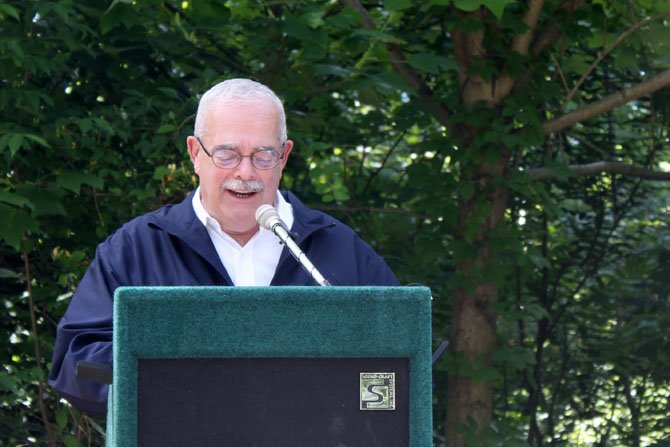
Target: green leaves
x,y
497,7
6,9
73,181
28,204
14,224
397,5
431,63
119,13
61,418
44,200
15,199
166,128
306,29
71,441
380,36
15,141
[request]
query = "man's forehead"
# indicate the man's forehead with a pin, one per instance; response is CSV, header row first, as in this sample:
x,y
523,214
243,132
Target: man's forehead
x,y
260,105
241,115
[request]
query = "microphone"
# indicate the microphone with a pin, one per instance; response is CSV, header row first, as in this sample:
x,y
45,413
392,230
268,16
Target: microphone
x,y
268,218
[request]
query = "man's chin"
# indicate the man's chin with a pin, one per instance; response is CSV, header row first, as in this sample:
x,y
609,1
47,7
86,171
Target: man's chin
x,y
239,216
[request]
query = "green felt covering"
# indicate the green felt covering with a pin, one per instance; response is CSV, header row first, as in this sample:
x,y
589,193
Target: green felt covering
x,y
258,322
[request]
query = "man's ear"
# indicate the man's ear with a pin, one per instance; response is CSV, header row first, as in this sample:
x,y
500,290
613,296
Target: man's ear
x,y
288,146
193,150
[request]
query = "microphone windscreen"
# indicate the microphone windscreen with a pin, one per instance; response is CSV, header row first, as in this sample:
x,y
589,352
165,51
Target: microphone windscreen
x,y
266,215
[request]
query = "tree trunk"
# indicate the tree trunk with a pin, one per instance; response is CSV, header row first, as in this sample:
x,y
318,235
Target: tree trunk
x,y
473,334
473,327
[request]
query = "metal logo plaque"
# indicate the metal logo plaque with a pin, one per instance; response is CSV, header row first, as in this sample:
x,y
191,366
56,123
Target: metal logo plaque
x,y
377,391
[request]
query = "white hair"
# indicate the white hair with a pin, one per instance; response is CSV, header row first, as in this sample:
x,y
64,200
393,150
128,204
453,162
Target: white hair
x,y
238,90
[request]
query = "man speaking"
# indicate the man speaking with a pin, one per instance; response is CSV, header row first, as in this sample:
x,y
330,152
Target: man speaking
x,y
239,150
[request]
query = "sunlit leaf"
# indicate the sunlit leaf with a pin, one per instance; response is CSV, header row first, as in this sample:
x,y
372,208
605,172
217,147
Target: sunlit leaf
x,y
71,441
15,143
165,128
61,418
9,10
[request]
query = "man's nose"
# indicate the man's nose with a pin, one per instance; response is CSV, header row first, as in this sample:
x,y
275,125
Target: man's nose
x,y
245,169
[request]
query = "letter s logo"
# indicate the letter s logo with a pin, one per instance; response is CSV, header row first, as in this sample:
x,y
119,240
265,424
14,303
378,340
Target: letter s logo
x,y
380,397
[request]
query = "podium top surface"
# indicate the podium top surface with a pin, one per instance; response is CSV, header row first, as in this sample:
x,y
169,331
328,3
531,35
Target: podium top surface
x,y
262,321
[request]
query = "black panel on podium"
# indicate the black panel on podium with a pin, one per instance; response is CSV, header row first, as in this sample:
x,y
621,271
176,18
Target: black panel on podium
x,y
256,402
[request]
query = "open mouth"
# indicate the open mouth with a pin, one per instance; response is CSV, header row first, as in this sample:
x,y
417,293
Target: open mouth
x,y
242,195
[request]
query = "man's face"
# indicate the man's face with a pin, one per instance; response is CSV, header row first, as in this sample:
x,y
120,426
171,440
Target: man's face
x,y
245,127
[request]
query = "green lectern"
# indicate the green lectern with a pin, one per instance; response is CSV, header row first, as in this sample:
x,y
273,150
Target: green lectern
x,y
271,366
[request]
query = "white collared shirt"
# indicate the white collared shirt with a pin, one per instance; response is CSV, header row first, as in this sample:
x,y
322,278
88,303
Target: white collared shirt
x,y
253,264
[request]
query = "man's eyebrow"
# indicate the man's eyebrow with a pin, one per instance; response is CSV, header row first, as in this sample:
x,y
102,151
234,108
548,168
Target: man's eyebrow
x,y
233,147
265,148
221,147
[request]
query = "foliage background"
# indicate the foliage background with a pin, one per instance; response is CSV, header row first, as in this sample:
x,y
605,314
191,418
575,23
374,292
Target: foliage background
x,y
97,100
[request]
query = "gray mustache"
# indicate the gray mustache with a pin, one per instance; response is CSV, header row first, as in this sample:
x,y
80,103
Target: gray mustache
x,y
242,185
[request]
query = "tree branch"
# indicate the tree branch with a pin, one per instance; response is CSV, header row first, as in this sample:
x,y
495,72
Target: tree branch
x,y
378,171
461,54
609,49
609,167
522,41
474,88
404,69
551,33
545,37
520,45
608,103
38,354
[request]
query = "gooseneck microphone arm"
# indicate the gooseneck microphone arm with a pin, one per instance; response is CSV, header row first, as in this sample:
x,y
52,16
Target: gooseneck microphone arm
x,y
268,218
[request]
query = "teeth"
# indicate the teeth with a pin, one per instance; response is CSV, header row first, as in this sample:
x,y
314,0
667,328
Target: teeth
x,y
242,195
